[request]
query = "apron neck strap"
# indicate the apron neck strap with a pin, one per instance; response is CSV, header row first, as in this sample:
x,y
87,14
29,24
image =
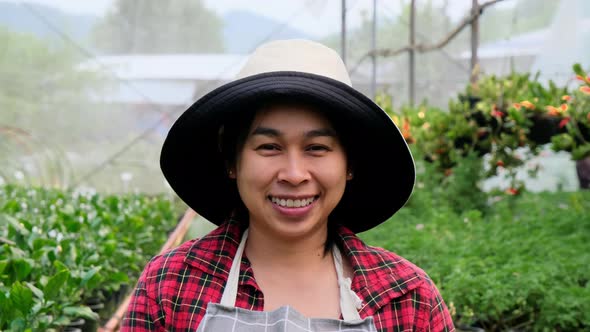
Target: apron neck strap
x,y
230,292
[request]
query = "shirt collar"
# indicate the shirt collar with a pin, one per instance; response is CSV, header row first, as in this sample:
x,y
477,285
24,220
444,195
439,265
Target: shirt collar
x,y
379,275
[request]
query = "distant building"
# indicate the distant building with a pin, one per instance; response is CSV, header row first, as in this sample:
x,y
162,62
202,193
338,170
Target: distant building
x,y
164,80
155,89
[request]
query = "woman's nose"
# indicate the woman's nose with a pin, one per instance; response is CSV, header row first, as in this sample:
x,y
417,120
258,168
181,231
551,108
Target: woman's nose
x,y
294,170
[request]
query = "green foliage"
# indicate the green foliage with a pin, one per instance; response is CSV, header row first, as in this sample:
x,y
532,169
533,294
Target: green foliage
x,y
521,266
61,249
153,26
577,123
506,118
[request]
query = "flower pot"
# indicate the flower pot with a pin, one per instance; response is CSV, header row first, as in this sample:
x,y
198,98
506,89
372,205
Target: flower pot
x,y
471,100
583,171
121,293
544,127
75,325
463,328
585,131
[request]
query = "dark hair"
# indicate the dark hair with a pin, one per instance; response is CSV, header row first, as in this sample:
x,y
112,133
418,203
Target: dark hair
x,y
234,133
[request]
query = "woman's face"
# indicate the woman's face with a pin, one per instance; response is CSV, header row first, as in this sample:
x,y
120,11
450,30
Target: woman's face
x,y
291,172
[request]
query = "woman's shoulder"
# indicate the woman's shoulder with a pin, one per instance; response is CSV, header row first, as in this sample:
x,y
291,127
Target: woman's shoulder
x,y
171,259
378,269
376,260
210,254
401,271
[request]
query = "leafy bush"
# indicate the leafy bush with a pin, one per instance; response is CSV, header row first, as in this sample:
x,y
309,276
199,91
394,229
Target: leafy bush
x,y
499,116
60,250
523,265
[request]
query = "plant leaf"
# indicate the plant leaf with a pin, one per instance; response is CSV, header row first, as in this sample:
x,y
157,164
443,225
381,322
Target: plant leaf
x,y
38,293
578,70
55,283
21,297
80,311
22,268
90,278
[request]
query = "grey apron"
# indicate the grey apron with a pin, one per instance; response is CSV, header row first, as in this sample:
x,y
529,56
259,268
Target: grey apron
x,y
225,317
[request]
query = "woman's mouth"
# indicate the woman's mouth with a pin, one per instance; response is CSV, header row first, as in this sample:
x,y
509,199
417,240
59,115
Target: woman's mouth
x,y
287,202
293,207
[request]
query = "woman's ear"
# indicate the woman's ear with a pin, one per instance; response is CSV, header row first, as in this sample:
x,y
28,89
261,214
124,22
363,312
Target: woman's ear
x,y
349,175
231,173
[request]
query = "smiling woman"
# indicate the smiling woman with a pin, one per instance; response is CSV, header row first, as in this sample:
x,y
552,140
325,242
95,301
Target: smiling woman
x,y
290,161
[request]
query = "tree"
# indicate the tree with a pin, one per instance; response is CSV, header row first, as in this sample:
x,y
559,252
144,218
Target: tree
x,y
155,26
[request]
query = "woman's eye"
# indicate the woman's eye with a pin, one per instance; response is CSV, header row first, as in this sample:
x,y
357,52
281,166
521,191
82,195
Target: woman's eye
x,y
318,148
268,147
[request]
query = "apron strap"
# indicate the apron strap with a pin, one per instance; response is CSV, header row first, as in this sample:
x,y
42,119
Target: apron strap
x,y
230,292
349,300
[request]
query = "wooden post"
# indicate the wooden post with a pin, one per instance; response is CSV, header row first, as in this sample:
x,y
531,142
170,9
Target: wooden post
x,y
343,32
473,75
412,54
374,56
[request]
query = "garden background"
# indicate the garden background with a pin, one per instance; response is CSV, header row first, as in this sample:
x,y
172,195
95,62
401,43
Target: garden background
x,y
499,217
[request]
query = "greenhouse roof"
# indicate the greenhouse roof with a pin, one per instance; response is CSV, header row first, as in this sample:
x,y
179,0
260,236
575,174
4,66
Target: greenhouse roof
x,y
520,45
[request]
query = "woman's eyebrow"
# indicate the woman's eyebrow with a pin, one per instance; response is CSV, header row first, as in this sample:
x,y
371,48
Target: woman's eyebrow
x,y
321,132
272,132
266,131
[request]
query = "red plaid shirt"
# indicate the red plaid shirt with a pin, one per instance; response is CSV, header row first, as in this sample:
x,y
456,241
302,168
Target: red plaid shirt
x,y
174,289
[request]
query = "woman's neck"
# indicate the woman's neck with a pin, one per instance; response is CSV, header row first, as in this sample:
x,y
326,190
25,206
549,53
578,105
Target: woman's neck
x,y
286,254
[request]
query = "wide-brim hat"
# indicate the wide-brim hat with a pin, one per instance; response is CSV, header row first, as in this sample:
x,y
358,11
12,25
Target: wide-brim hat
x,y
309,72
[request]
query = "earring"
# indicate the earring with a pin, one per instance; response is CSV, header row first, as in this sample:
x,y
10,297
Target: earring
x,y
350,175
230,173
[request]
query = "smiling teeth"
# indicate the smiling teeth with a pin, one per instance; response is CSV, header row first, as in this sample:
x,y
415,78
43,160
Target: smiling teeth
x,y
292,202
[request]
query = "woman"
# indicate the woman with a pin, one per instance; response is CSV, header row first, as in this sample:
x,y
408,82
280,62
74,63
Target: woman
x,y
290,161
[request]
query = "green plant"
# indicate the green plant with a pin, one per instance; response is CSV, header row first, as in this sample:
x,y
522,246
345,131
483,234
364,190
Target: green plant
x,y
522,265
575,119
507,118
62,248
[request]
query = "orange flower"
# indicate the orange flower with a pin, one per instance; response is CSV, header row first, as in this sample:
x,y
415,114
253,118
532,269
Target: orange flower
x,y
566,98
552,110
500,163
517,106
564,122
585,89
580,78
564,107
527,104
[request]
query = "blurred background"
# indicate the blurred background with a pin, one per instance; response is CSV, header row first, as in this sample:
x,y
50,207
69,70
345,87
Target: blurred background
x,y
492,96
90,88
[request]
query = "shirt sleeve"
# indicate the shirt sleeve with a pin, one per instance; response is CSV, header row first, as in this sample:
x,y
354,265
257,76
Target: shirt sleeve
x,y
143,312
440,319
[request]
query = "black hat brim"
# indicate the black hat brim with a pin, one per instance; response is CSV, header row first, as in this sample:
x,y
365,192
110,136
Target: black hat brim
x,y
384,171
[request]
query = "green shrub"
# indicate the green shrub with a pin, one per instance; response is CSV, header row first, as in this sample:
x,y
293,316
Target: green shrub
x,y
61,249
523,265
